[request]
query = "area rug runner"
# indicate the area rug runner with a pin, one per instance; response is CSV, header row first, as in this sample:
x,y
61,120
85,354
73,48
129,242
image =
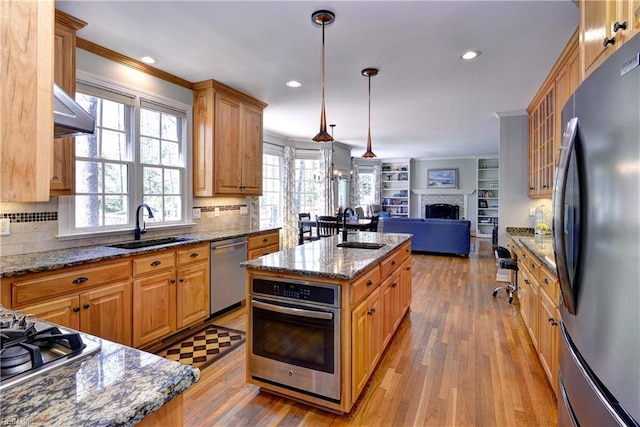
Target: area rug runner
x,y
205,347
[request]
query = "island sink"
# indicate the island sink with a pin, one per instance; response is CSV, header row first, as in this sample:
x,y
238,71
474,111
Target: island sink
x,y
137,244
360,245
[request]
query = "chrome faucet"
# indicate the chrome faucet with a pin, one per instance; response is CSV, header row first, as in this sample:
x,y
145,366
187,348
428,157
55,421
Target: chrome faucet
x,y
137,231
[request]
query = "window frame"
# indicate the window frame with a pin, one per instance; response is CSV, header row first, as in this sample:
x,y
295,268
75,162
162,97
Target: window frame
x,y
118,90
275,151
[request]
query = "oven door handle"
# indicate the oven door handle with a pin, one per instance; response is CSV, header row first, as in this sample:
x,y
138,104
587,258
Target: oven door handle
x,y
293,311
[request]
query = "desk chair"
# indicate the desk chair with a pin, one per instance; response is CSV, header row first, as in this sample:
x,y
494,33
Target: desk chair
x,y
504,262
327,226
306,233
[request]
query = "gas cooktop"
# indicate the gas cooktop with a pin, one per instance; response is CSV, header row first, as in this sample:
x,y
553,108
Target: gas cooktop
x,y
30,347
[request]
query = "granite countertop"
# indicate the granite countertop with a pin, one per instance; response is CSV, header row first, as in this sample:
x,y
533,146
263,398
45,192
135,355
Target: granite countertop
x,y
118,386
541,249
16,265
322,258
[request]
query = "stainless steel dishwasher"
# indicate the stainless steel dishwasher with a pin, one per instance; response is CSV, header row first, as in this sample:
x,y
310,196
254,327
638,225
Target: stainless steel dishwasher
x,y
227,277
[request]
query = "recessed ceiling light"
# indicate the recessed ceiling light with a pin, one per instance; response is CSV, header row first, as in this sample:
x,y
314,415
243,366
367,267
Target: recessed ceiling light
x,y
470,54
293,83
149,60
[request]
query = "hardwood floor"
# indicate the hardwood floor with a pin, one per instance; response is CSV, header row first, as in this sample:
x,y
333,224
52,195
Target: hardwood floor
x,y
459,358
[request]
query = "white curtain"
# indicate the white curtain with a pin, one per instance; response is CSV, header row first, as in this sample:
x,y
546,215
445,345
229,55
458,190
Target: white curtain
x,y
289,214
354,191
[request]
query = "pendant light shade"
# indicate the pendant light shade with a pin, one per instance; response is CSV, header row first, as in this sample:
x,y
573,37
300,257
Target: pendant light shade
x,y
369,72
323,17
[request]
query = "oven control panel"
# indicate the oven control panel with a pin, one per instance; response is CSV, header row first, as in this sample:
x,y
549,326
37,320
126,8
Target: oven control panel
x,y
305,291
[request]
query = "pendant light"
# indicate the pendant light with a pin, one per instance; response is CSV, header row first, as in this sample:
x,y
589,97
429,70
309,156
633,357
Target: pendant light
x,y
323,17
369,72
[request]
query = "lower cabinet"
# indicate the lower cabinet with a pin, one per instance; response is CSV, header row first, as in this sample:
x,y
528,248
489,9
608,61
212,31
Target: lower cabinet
x,y
165,298
104,312
366,322
263,244
548,338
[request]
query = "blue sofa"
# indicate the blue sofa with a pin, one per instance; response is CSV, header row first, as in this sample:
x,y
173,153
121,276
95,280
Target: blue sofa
x,y
447,236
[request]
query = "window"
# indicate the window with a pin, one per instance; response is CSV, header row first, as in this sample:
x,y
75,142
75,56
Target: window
x,y
137,154
366,187
271,199
308,191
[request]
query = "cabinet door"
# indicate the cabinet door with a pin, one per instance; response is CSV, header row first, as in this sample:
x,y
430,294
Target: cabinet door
x,y
63,311
366,340
597,17
192,294
548,339
391,306
203,112
405,285
154,312
227,145
106,313
251,155
63,169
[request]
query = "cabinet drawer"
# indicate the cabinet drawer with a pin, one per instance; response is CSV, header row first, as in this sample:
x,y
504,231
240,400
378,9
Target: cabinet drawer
x,y
530,262
263,240
155,262
391,263
192,254
257,253
549,282
364,285
74,280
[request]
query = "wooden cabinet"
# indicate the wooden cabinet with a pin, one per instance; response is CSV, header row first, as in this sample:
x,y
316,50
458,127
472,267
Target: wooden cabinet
x,y
539,294
392,305
63,169
26,104
366,340
95,299
165,298
605,25
262,244
227,141
545,119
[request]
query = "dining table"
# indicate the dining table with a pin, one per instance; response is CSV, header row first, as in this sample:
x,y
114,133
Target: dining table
x,y
361,224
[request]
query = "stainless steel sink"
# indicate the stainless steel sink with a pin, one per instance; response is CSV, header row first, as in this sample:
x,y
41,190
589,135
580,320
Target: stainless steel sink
x,y
361,245
137,244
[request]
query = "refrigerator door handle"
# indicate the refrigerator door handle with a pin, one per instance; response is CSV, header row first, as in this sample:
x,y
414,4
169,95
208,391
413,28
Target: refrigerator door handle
x,y
560,214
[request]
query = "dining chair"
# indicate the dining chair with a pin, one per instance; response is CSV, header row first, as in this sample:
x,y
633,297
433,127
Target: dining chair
x,y
374,223
306,232
327,226
360,212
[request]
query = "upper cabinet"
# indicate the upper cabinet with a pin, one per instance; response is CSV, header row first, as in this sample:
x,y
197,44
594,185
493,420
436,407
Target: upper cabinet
x,y
63,170
227,141
545,119
26,104
605,25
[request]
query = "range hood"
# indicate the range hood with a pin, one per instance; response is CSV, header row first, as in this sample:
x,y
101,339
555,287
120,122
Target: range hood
x,y
69,118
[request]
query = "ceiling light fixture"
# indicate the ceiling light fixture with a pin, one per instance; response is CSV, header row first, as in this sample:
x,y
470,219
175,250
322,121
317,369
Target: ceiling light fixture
x,y
293,83
472,54
149,60
323,17
369,72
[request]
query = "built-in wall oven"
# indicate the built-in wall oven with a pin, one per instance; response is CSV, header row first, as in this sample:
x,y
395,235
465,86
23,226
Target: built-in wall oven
x,y
296,335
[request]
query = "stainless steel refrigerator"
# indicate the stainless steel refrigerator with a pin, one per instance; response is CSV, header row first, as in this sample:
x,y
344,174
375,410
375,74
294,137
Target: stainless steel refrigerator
x,y
596,230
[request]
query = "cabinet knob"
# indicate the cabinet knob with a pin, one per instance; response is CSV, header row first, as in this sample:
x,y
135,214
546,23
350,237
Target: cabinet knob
x,y
173,280
369,282
75,309
156,263
85,306
545,281
393,262
80,280
265,240
194,255
394,284
181,280
552,321
618,26
607,41
526,281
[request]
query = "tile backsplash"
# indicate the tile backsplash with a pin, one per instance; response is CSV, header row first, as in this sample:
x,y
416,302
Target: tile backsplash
x,y
34,226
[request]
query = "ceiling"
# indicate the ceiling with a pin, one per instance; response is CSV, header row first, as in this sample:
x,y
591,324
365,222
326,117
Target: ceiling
x,y
425,102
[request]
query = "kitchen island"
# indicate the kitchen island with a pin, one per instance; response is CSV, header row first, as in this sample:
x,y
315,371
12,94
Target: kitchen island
x,y
362,293
118,386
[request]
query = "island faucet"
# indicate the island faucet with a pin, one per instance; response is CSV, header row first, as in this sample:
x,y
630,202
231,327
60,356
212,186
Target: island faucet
x,y
137,231
344,222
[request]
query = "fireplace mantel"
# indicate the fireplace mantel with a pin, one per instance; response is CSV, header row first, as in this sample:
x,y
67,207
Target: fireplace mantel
x,y
463,191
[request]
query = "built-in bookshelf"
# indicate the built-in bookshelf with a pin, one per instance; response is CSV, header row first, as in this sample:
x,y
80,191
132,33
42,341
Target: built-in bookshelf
x,y
395,187
488,196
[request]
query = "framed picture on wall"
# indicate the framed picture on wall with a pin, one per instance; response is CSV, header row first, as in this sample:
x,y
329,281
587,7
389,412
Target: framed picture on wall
x,y
442,178
482,203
